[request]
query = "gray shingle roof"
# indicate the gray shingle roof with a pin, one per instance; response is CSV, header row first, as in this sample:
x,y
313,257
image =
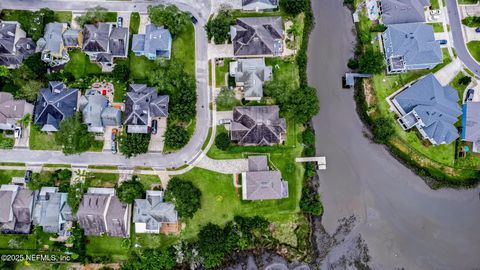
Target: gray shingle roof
x,y
156,41
259,4
252,72
70,37
11,53
471,122
414,43
48,210
53,37
12,110
96,37
436,108
403,11
118,41
153,211
96,112
257,125
257,36
259,183
7,37
54,104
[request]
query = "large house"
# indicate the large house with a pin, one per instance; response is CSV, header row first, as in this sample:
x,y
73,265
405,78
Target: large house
x,y
142,105
261,183
471,124
52,212
153,215
16,207
257,36
155,43
54,104
410,46
249,75
56,41
257,5
101,212
96,112
14,45
430,107
12,110
403,11
103,42
257,125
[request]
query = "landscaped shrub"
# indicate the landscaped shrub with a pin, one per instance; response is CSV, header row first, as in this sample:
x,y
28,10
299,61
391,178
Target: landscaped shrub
x,y
308,136
371,61
465,80
383,130
378,28
353,64
222,141
128,191
294,7
218,27
176,137
133,144
471,21
185,195
310,202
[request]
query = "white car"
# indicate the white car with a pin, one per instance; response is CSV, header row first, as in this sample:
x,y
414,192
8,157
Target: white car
x,y
224,121
17,132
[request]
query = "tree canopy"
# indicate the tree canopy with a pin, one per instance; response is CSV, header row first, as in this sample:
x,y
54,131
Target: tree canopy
x,y
73,135
218,27
293,7
133,144
184,195
121,72
175,20
304,104
176,137
151,259
222,141
92,16
371,62
128,191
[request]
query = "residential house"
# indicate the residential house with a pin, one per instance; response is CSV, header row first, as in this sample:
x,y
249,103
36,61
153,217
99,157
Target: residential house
x,y
155,43
257,125
430,107
56,41
14,44
16,207
52,212
101,212
250,74
103,42
261,183
258,36
258,5
142,105
54,104
410,46
153,215
96,112
11,111
471,124
403,11
72,38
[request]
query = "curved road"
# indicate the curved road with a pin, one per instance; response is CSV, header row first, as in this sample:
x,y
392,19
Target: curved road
x,y
403,221
458,39
188,154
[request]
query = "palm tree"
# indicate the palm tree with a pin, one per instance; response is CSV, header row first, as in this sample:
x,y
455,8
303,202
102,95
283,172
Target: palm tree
x,y
25,121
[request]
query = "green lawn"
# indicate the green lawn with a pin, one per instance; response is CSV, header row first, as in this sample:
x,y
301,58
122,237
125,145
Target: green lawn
x,y
459,87
140,68
80,65
18,242
183,48
63,16
148,180
6,175
106,180
220,72
114,247
284,68
467,2
146,240
134,22
474,48
6,142
434,4
111,17
41,140
437,27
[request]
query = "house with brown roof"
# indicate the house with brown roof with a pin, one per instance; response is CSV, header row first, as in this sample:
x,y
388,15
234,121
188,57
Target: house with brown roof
x,y
12,110
16,209
261,183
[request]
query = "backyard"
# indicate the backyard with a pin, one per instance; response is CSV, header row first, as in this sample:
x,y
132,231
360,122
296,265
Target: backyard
x,y
80,65
474,49
115,248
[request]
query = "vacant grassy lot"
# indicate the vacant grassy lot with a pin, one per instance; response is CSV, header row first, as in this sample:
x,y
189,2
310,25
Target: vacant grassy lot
x,y
41,140
6,175
183,48
114,247
134,22
80,65
106,180
474,49
18,242
146,240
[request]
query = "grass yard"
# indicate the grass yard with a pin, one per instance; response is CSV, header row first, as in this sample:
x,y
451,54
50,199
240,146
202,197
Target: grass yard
x,y
183,48
41,140
220,72
148,180
113,247
434,4
63,16
146,240
459,87
80,65
6,142
18,242
111,17
284,68
106,180
474,49
6,175
140,68
134,22
467,2
437,27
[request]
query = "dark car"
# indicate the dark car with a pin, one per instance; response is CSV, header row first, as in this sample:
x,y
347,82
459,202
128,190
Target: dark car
x,y
28,175
442,41
114,147
154,126
120,22
194,20
477,29
469,95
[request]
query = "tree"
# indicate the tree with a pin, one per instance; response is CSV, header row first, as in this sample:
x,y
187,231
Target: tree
x,y
121,72
226,99
212,245
371,62
73,135
222,141
304,104
35,64
471,21
151,259
128,191
218,27
29,90
92,16
184,195
133,144
293,7
4,72
310,202
75,193
465,80
383,130
176,137
175,20
308,137
281,90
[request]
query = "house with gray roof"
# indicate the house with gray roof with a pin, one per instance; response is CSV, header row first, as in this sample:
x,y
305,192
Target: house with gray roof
x,y
103,42
257,5
51,211
101,212
402,11
12,110
250,74
430,107
151,213
257,125
471,124
56,41
257,36
410,46
142,105
155,43
14,44
261,183
97,113
54,104
16,207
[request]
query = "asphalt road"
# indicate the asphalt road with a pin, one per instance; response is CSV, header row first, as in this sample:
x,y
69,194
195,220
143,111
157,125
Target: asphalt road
x,y
458,40
201,10
404,222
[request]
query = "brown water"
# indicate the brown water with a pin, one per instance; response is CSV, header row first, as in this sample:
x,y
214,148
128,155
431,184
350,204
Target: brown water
x,y
403,222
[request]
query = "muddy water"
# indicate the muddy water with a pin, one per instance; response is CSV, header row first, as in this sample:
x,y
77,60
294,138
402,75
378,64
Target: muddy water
x,y
403,222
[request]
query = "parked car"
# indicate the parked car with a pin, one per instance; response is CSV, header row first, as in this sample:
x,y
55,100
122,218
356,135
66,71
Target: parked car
x,y
120,22
114,147
477,29
224,121
194,20
154,126
469,95
28,175
17,132
442,41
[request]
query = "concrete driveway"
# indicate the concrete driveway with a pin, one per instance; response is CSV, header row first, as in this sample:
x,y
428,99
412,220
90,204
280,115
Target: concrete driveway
x,y
23,142
107,139
448,73
224,115
158,140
